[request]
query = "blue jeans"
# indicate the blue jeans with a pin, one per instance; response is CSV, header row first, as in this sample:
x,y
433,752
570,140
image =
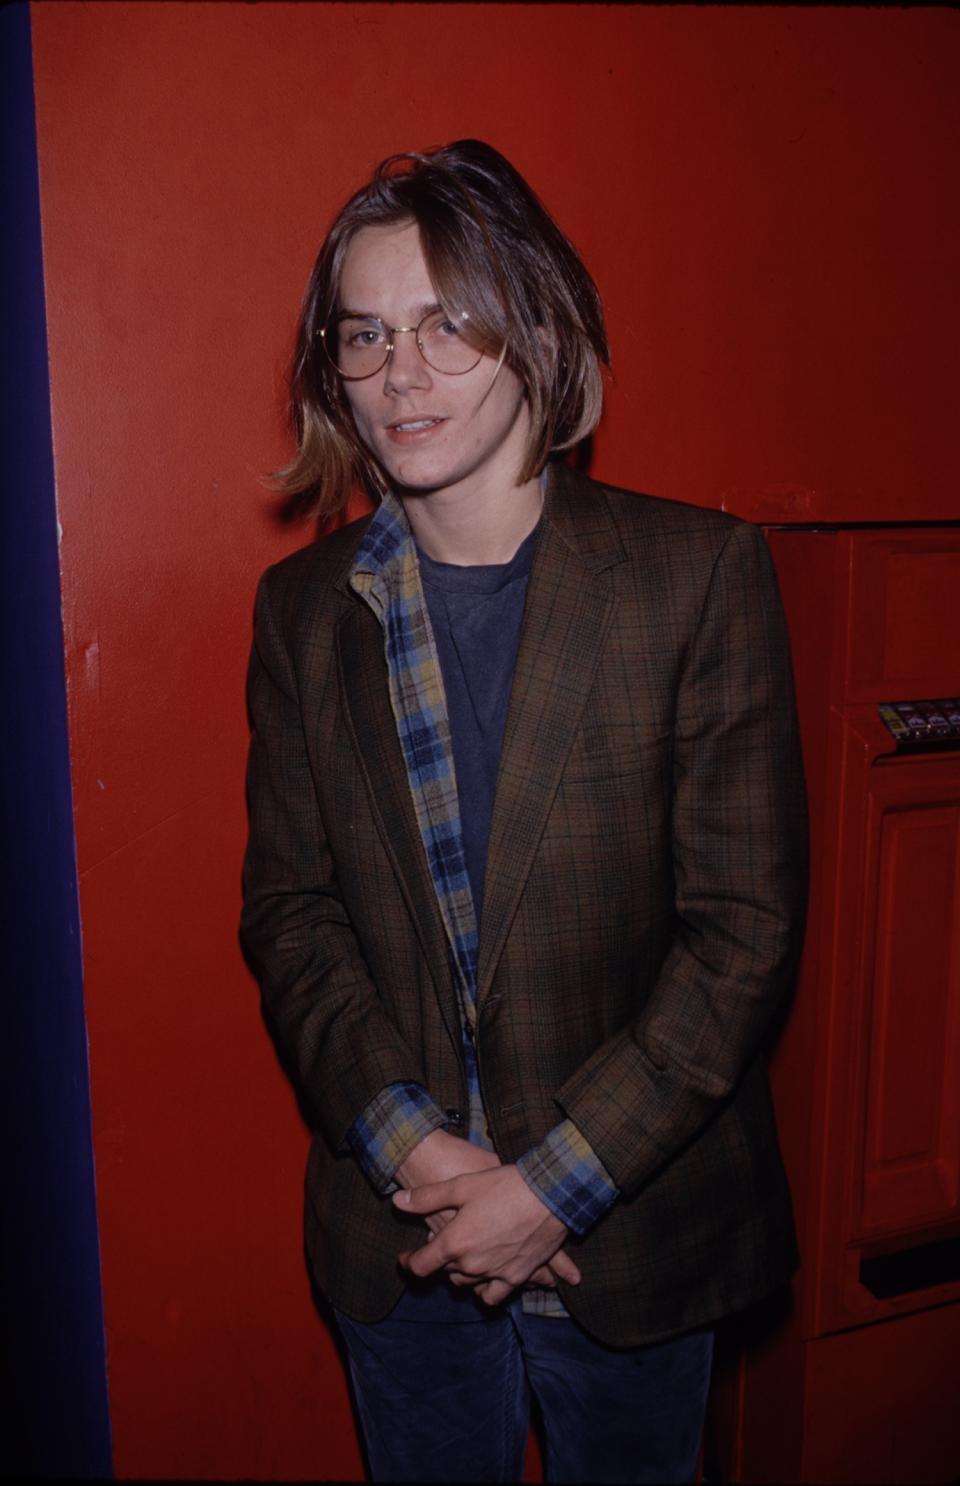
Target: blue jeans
x,y
442,1387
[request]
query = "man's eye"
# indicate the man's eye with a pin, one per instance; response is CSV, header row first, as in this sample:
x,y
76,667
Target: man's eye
x,y
361,335
365,338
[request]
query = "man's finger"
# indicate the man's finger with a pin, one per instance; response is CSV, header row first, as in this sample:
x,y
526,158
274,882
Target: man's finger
x,y
494,1292
436,1222
423,1261
429,1198
564,1268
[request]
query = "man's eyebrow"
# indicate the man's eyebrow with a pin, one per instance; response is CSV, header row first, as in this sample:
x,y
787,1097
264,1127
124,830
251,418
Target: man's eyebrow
x,y
418,312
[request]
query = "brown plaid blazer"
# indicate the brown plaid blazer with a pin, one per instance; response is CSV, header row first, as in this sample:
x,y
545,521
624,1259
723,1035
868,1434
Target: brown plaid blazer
x,y
644,896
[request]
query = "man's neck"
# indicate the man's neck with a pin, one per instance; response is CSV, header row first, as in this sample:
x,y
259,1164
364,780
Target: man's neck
x,y
472,531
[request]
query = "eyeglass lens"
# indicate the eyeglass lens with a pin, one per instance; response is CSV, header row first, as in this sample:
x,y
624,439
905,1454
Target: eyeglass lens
x,y
359,346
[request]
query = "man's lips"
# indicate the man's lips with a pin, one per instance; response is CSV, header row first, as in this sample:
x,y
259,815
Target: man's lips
x,y
412,425
413,430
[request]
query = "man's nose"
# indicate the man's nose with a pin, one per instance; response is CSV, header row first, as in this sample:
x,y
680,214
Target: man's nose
x,y
406,367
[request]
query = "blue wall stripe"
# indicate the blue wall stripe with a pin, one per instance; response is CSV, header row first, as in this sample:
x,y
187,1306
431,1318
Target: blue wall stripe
x,y
53,1390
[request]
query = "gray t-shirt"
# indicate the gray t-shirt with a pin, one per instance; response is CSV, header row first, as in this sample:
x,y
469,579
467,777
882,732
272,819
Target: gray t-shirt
x,y
476,614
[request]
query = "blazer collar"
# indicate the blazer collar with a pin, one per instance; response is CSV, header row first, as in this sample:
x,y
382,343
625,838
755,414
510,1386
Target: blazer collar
x,y
364,688
577,509
567,615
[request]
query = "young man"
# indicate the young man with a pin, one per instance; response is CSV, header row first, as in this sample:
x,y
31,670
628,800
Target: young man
x,y
526,866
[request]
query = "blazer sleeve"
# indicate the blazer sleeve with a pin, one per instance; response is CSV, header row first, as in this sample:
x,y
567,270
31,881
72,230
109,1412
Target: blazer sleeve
x,y
321,1003
740,869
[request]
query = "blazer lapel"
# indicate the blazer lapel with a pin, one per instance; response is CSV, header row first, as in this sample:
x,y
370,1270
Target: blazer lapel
x,y
373,731
568,610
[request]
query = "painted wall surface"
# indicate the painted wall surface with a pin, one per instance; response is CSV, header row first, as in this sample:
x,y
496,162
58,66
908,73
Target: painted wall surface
x,y
53,1385
767,199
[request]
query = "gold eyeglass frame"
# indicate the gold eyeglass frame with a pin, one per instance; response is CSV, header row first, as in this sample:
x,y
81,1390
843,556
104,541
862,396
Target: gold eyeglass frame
x,y
391,332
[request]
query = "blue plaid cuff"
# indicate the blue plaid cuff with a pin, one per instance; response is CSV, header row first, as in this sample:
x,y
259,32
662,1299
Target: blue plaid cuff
x,y
568,1175
394,1121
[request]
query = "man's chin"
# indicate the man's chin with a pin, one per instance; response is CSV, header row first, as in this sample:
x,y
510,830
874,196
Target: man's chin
x,y
415,487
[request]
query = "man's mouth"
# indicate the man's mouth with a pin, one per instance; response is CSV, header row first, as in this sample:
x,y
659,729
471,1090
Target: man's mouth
x,y
414,425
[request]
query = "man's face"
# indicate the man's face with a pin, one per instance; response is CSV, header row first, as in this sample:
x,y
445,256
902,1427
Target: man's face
x,y
429,430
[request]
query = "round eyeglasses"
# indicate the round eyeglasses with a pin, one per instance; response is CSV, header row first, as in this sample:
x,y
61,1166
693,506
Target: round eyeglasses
x,y
361,345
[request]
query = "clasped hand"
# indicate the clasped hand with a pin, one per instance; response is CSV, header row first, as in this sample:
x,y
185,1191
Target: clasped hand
x,y
488,1229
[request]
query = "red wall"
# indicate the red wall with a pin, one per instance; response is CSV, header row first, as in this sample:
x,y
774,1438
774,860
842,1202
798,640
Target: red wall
x,y
767,199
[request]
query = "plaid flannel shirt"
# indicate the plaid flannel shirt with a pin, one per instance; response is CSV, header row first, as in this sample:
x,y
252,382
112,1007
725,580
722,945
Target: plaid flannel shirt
x,y
563,1169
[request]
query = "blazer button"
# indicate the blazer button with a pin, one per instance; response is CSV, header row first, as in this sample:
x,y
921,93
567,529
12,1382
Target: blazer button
x,y
454,1117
